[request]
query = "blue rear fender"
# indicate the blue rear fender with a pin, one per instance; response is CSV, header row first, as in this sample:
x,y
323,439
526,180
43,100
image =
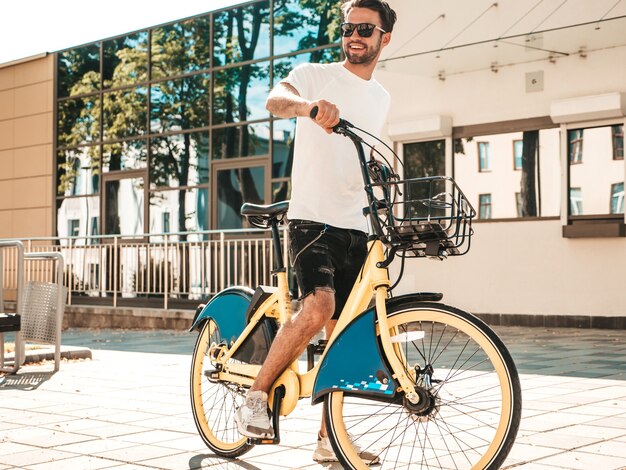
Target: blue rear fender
x,y
228,310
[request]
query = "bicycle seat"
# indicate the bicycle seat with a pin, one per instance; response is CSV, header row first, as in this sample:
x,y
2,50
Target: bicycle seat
x,y
262,216
272,210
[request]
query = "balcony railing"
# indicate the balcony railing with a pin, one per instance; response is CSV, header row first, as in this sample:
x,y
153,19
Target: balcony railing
x,y
157,270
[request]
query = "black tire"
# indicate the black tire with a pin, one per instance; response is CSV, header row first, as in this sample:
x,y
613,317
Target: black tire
x,y
474,398
214,403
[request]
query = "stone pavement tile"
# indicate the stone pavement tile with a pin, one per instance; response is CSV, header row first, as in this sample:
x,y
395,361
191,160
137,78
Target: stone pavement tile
x,y
550,421
193,443
557,439
106,430
618,422
137,453
30,418
181,424
613,448
42,437
8,448
576,460
154,436
34,456
94,447
284,458
123,417
82,462
522,453
192,461
593,431
531,466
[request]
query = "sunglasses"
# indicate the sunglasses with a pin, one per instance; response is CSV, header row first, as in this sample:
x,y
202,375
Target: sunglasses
x,y
365,30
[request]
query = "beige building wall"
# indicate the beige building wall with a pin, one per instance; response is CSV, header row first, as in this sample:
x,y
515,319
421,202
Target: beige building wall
x,y
26,138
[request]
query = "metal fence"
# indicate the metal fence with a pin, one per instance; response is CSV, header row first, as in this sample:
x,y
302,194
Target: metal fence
x,y
163,267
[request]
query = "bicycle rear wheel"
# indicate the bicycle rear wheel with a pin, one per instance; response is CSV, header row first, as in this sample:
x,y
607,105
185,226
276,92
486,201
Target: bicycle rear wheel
x,y
470,406
214,403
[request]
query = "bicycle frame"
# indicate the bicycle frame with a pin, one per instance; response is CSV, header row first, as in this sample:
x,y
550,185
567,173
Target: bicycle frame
x,y
373,282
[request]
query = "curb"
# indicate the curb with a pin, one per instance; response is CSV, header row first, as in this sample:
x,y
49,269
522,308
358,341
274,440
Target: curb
x,y
47,354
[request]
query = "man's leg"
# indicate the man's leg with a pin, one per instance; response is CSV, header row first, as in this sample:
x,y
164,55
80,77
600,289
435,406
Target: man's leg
x,y
293,337
317,308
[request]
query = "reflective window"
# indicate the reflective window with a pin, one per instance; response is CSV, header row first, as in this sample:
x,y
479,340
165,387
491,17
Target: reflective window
x,y
618,142
575,146
575,201
124,210
518,150
181,47
484,158
241,34
179,160
302,25
484,206
125,60
241,141
78,70
78,171
125,113
281,191
283,66
78,217
594,173
532,190
617,198
129,155
282,152
234,187
425,159
78,121
180,104
179,211
239,93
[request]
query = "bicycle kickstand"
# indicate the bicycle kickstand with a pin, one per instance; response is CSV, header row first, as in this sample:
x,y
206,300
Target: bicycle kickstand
x,y
279,393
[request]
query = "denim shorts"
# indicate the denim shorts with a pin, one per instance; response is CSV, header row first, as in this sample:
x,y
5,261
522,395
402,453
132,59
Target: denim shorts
x,y
326,257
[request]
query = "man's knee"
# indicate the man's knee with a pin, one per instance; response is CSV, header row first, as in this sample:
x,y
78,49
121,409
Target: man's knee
x,y
319,306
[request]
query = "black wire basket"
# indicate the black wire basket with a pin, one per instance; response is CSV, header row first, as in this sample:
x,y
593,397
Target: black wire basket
x,y
423,217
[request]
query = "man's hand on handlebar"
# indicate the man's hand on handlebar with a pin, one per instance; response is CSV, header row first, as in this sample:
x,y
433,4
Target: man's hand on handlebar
x,y
327,115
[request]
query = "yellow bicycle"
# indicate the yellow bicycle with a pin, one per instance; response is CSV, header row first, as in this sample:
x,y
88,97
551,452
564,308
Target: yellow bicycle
x,y
418,383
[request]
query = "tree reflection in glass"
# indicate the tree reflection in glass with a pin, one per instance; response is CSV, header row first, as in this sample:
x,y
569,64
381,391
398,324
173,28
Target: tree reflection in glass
x,y
234,187
78,171
125,113
241,34
239,93
305,24
125,60
241,141
129,155
180,104
180,48
79,70
179,160
78,121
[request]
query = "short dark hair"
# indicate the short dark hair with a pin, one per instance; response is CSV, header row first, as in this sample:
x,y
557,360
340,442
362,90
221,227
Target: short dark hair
x,y
387,15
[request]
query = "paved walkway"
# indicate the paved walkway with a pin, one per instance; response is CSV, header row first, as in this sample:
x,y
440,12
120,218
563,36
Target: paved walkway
x,y
130,410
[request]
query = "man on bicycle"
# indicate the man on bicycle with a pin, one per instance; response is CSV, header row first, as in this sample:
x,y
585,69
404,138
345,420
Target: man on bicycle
x,y
327,228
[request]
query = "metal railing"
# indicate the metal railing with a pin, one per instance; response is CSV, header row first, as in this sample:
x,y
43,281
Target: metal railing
x,y
160,267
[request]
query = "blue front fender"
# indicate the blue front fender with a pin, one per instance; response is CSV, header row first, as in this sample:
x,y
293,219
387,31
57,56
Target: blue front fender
x,y
354,363
228,310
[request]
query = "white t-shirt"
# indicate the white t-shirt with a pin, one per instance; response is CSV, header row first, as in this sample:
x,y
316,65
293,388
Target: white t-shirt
x,y
327,185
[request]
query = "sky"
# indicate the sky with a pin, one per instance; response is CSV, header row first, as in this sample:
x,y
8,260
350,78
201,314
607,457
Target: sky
x,y
31,27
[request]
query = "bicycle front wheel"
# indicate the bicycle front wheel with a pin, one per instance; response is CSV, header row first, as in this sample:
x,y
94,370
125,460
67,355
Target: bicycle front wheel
x,y
470,397
214,403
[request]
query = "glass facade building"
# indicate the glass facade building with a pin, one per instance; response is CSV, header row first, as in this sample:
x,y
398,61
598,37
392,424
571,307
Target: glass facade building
x,y
165,130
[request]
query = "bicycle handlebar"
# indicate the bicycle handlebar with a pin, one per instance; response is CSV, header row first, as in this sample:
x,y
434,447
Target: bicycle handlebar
x,y
340,128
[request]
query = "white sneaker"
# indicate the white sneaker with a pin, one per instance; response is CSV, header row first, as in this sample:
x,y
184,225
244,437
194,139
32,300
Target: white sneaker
x,y
252,417
324,452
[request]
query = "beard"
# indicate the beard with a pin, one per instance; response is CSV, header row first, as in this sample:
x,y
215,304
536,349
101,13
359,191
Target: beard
x,y
367,57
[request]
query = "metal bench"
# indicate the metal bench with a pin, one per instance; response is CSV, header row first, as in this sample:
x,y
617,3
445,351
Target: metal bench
x,y
12,322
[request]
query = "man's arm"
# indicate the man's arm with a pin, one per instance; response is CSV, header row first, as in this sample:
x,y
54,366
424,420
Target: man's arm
x,y
284,101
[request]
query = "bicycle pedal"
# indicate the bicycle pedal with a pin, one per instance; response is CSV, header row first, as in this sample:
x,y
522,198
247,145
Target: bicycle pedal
x,y
259,441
